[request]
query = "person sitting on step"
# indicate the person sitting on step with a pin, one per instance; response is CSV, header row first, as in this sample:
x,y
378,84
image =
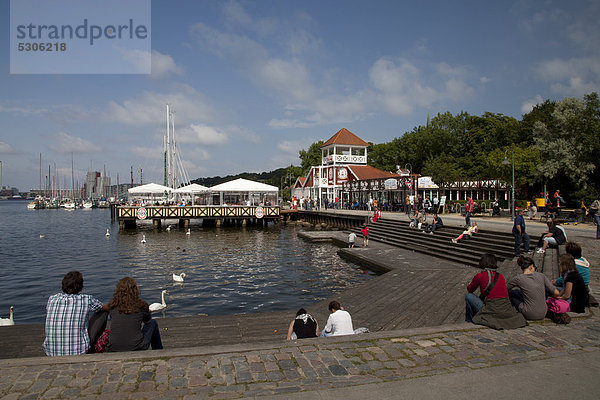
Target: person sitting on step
x,y
471,230
303,326
554,236
436,223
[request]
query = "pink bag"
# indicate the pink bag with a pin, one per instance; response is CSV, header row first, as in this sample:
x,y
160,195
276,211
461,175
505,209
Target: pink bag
x,y
558,306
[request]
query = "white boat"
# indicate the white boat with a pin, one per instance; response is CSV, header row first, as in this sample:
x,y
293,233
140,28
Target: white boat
x,y
32,205
69,205
87,204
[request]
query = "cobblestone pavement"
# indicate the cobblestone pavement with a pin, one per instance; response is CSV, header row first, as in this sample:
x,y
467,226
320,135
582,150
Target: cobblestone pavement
x,y
224,372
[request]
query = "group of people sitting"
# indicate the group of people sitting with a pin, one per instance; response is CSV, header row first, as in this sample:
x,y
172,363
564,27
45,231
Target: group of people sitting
x,y
305,326
418,221
530,295
70,330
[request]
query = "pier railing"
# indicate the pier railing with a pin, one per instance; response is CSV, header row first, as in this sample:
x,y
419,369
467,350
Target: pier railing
x,y
189,212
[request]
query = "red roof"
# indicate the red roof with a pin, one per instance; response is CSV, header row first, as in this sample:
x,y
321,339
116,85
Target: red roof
x,y
344,136
363,172
301,180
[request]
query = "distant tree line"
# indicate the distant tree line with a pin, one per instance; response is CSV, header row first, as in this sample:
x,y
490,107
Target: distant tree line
x,y
557,144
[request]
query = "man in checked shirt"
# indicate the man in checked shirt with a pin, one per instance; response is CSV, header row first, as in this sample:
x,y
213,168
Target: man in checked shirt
x,y
67,318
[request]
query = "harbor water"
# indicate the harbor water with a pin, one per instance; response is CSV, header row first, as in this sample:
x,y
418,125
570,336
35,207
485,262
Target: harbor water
x,y
228,270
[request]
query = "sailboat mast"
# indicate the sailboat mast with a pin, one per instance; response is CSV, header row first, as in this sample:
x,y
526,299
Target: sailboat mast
x,y
72,179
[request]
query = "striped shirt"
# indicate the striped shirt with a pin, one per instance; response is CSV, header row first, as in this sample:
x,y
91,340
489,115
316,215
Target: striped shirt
x,y
67,323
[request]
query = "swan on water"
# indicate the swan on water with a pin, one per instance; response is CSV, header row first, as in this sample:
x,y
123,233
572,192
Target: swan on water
x,y
8,321
179,278
42,236
143,239
168,228
159,306
107,233
189,232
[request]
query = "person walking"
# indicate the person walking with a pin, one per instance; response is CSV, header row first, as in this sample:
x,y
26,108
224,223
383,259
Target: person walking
x,y
594,211
365,233
519,233
351,240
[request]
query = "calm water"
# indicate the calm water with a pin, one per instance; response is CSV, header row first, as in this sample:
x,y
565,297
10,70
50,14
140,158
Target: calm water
x,y
228,270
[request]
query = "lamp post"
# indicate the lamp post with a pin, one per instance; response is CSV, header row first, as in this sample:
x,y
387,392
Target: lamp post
x,y
506,162
409,175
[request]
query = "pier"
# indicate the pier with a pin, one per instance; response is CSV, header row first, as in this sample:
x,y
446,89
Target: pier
x,y
209,215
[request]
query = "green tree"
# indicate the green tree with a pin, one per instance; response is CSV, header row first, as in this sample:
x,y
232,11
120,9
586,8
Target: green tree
x,y
311,157
565,144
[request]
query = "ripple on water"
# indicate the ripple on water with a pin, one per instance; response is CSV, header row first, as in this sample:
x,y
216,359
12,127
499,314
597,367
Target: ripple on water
x,y
228,270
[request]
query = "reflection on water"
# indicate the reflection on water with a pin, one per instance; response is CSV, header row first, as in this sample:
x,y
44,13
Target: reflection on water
x,y
228,270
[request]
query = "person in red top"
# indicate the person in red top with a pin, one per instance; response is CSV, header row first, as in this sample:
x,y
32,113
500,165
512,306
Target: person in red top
x,y
469,211
365,233
492,308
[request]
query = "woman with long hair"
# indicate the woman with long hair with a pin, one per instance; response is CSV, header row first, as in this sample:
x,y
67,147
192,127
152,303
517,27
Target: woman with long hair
x,y
128,311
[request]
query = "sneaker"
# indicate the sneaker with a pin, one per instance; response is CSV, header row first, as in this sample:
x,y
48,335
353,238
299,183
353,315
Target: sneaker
x,y
540,251
431,233
454,241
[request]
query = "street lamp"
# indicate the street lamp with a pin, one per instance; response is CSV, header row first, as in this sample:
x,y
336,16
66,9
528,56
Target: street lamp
x,y
506,162
409,175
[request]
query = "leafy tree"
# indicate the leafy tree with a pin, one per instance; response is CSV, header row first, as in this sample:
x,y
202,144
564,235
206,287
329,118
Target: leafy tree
x,y
311,157
564,145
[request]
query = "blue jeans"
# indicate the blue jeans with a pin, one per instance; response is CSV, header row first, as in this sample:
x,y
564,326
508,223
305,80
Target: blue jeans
x,y
597,219
468,218
325,334
473,305
152,334
524,238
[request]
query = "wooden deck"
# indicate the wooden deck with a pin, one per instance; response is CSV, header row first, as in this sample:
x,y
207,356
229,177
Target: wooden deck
x,y
419,290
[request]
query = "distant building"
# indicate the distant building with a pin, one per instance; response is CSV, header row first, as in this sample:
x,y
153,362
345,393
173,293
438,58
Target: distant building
x,y
344,160
8,191
96,186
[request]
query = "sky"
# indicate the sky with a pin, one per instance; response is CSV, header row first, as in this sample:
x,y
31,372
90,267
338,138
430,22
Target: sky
x,y
254,82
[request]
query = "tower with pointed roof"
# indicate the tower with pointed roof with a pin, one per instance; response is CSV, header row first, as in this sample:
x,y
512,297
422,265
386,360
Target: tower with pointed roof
x,y
344,159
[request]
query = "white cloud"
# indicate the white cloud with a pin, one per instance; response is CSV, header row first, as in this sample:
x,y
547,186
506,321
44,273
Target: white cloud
x,y
23,110
6,148
148,152
149,108
528,105
571,77
401,86
64,143
162,64
294,146
139,59
203,135
484,79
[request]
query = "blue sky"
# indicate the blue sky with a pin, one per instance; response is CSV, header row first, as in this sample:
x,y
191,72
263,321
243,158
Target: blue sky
x,y
253,82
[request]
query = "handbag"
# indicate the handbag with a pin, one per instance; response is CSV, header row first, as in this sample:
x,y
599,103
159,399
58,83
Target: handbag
x,y
102,341
558,306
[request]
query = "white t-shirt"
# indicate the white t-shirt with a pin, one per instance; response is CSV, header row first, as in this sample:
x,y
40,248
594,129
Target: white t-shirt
x,y
339,323
352,237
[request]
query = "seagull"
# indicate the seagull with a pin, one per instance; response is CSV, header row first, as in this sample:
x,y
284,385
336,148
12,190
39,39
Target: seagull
x,y
189,232
8,321
42,236
107,233
159,306
179,278
143,239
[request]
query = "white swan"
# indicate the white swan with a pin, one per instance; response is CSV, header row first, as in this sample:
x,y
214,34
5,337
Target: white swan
x,y
159,306
42,236
179,278
107,233
189,232
168,228
8,321
143,239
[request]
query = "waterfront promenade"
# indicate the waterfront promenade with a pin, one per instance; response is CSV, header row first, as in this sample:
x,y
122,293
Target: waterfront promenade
x,y
247,356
